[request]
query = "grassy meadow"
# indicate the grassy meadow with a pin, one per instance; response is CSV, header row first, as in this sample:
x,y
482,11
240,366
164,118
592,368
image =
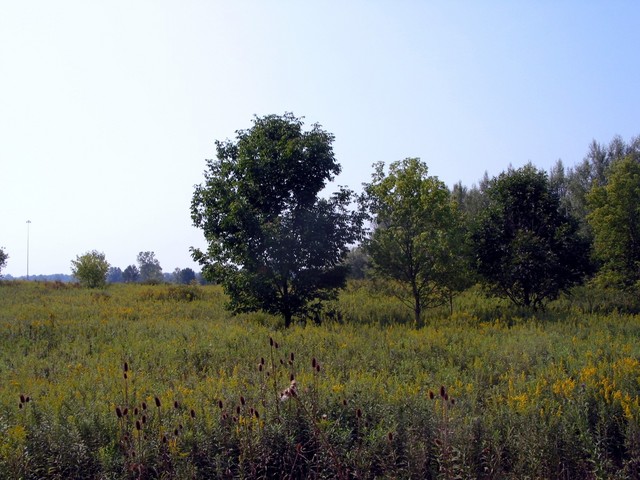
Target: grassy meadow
x,y
161,382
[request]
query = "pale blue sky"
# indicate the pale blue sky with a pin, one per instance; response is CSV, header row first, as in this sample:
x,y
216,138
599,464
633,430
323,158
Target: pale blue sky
x,y
108,109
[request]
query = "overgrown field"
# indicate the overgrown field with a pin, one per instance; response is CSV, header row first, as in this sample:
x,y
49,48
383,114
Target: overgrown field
x,y
160,382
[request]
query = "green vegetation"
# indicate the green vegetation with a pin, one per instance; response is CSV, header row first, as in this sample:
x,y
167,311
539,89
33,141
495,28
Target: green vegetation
x,y
90,269
157,381
3,259
416,244
273,243
615,220
526,248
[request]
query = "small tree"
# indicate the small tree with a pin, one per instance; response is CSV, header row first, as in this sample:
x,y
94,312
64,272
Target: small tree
x,y
90,269
526,248
3,259
150,269
413,245
274,244
615,220
131,274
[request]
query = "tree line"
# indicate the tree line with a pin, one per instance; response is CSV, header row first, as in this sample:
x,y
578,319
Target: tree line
x,y
277,245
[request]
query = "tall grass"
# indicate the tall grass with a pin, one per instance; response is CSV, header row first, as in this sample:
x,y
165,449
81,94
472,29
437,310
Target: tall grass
x,y
489,392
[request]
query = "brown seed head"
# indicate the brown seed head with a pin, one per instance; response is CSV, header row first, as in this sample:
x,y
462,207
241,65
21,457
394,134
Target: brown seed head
x,y
220,405
144,405
313,362
22,398
271,341
431,395
193,413
118,412
242,400
292,357
442,391
157,402
390,436
358,413
138,425
126,367
176,405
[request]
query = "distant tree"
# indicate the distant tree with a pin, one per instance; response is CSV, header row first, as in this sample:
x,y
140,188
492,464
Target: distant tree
x,y
274,244
413,243
3,259
526,248
114,275
471,201
594,170
615,220
150,269
131,274
184,276
358,263
90,269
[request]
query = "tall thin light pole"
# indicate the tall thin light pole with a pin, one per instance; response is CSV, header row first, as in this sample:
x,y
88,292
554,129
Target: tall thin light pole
x,y
28,224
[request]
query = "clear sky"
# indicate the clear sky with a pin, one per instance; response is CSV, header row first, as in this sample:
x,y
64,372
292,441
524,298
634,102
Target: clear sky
x,y
108,109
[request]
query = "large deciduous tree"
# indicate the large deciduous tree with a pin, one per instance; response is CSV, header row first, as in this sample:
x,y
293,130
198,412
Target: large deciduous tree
x,y
90,269
615,220
416,226
526,248
273,243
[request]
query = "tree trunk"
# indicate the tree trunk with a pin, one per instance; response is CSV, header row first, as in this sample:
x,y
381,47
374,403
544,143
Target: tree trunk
x,y
417,306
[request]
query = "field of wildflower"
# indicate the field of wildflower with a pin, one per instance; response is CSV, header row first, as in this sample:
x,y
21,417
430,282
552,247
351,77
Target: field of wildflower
x,y
141,382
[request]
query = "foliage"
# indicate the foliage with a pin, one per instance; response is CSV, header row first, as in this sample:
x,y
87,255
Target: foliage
x,y
115,275
90,269
541,397
273,243
418,241
526,249
131,274
184,276
3,259
615,220
358,263
150,269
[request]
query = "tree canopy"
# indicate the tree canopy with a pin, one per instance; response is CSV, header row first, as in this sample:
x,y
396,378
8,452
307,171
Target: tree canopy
x,y
525,247
416,225
273,243
90,269
615,220
150,269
